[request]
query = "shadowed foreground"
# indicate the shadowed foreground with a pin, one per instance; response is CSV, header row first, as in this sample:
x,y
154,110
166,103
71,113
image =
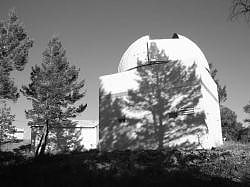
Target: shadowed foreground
x,y
125,168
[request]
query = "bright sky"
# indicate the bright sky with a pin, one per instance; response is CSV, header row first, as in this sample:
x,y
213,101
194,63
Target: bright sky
x,y
96,33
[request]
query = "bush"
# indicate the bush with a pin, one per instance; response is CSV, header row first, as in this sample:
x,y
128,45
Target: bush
x,y
221,167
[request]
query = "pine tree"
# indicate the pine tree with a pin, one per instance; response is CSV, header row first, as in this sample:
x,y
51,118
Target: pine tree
x,y
229,124
54,91
14,47
247,110
222,91
240,8
6,119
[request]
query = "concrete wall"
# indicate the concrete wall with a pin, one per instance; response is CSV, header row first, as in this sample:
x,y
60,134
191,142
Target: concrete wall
x,y
89,135
211,107
19,134
185,131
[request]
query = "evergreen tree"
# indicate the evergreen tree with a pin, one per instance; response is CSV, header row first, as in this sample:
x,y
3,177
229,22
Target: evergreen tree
x,y
54,91
14,47
240,8
247,110
222,91
230,126
6,119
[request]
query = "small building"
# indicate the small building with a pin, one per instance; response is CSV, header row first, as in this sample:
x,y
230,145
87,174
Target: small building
x,y
13,140
136,113
18,134
83,135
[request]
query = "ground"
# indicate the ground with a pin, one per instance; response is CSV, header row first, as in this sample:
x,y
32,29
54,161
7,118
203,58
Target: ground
x,y
225,166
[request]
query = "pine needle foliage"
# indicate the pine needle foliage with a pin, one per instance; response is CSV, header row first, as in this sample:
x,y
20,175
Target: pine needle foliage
x,y
54,91
14,48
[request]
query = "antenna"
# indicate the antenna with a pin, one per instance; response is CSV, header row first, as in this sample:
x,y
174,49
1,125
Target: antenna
x,y
147,53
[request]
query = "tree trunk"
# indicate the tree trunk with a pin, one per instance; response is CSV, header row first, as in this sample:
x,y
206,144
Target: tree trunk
x,y
1,137
45,139
39,145
156,128
160,133
155,122
159,111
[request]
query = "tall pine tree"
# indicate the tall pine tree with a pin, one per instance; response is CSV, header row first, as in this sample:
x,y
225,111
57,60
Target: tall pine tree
x,y
54,91
14,47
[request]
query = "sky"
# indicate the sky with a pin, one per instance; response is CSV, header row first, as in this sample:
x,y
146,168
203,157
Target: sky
x,y
95,34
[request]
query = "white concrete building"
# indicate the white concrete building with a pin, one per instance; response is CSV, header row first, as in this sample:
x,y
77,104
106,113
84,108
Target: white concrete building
x,y
201,129
18,134
89,133
82,136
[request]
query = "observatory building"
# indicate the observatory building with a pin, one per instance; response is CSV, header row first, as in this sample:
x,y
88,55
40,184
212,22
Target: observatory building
x,y
162,96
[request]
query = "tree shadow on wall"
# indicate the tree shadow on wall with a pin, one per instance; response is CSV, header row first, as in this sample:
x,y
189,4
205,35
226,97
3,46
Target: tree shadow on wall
x,y
63,137
114,134
159,113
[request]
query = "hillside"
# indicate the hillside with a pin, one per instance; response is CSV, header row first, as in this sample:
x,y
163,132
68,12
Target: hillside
x,y
226,166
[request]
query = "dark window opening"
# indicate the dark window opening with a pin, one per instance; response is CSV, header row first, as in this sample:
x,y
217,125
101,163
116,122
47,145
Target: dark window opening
x,y
122,119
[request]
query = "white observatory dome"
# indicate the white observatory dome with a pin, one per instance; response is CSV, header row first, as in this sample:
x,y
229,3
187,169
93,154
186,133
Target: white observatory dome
x,y
176,48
